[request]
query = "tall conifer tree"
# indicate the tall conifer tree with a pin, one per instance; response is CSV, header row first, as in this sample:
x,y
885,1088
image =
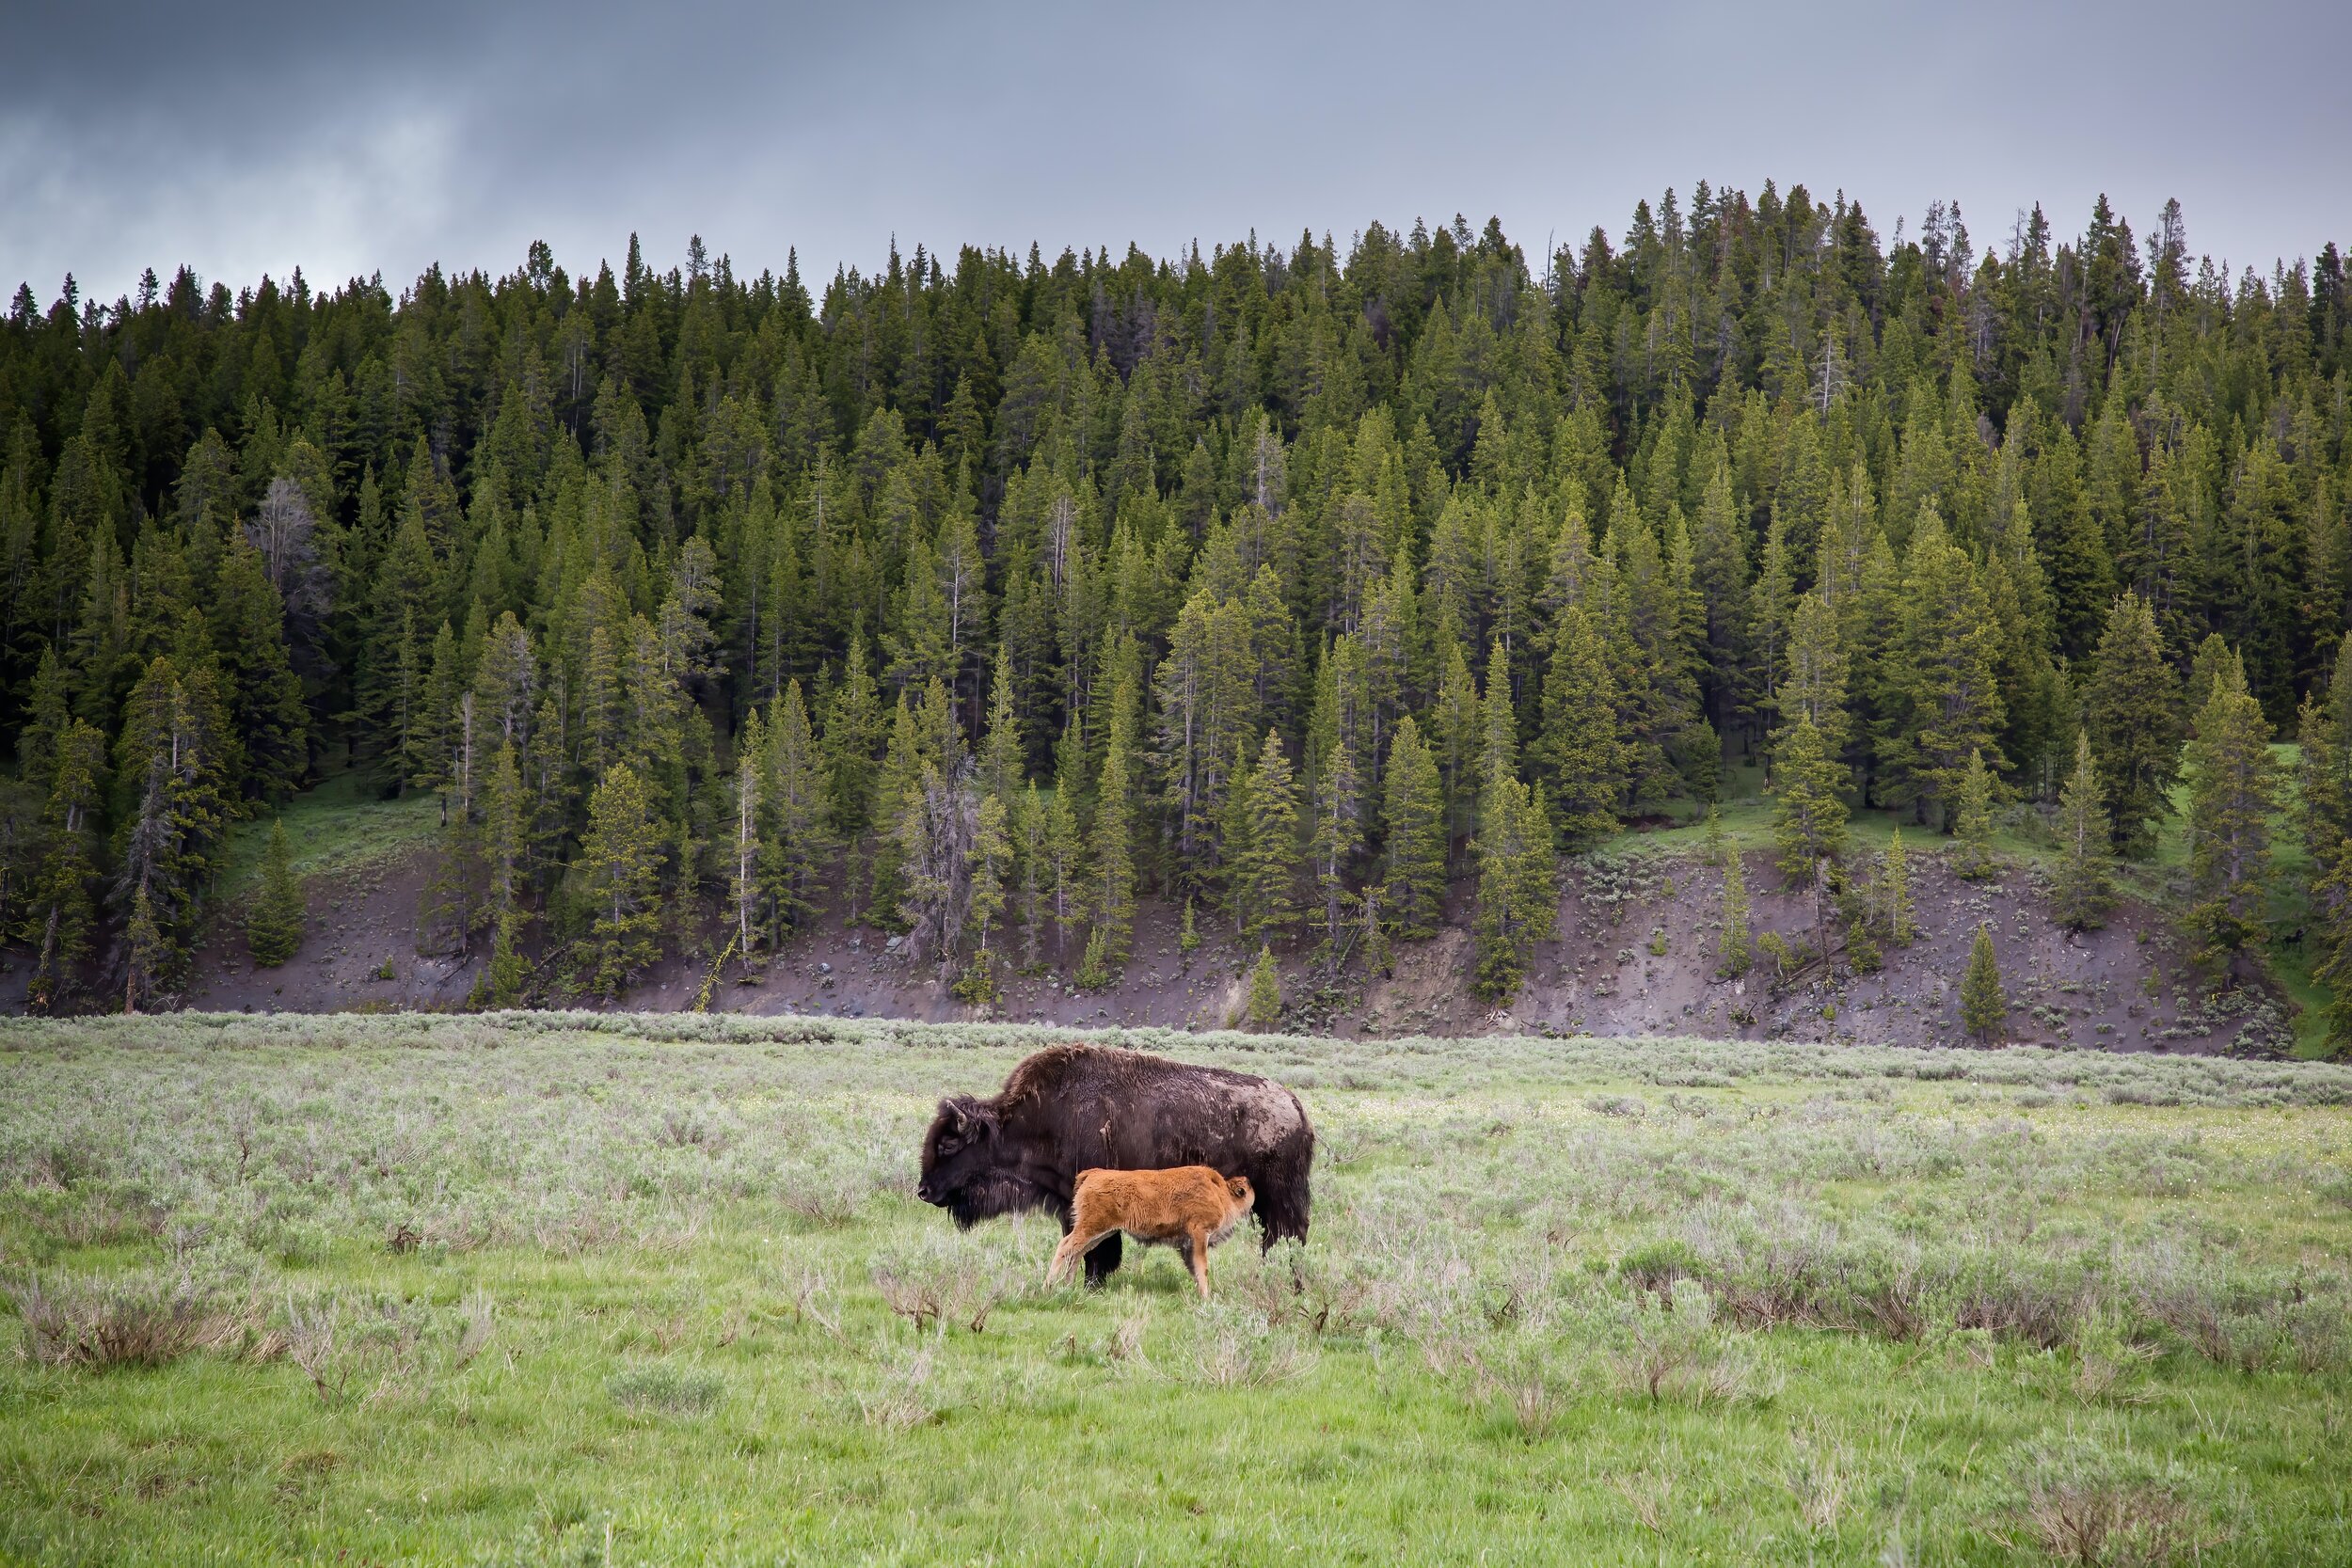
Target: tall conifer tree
x,y
2084,889
620,867
1577,752
2131,714
1518,889
1414,813
2233,790
272,927
1265,867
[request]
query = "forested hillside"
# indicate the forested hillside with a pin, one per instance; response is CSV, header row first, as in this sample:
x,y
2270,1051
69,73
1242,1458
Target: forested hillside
x,y
1292,585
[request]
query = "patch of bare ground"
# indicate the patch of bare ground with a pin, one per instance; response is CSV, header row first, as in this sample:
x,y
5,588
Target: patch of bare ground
x,y
1637,952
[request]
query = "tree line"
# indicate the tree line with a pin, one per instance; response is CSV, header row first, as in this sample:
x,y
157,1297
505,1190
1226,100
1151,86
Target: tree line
x,y
1297,585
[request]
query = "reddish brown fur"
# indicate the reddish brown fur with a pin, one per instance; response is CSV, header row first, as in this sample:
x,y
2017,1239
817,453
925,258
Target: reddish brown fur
x,y
1190,1208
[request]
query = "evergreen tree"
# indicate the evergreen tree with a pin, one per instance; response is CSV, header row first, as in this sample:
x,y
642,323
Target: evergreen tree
x,y
1499,736
266,697
2084,889
854,731
1577,753
744,883
1031,866
101,638
1895,891
1972,853
1336,741
1733,944
2131,712
919,647
2234,789
1414,813
451,909
620,868
2212,659
1266,991
1815,686
404,598
1517,892
1983,1006
2324,802
1111,906
47,712
1809,820
147,953
172,761
1771,611
2324,769
895,814
1946,703
793,840
1095,969
992,861
1456,726
603,739
1065,849
1266,866
61,901
1000,748
274,925
504,845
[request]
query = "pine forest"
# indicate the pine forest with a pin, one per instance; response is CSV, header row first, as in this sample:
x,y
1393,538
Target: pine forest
x,y
1329,593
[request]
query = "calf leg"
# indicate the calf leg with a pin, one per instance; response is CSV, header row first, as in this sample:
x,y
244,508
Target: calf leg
x,y
1198,1255
1067,1254
1103,1259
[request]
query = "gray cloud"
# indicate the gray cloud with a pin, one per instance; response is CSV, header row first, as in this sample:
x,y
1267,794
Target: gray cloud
x,y
267,137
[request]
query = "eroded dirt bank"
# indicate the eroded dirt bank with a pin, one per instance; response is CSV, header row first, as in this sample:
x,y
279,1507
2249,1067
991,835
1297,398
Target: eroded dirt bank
x,y
1636,953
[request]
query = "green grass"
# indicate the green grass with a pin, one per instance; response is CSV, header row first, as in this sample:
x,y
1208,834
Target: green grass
x,y
341,825
572,1289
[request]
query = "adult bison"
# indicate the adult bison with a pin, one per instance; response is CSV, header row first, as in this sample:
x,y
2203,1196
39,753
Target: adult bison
x,y
1071,1107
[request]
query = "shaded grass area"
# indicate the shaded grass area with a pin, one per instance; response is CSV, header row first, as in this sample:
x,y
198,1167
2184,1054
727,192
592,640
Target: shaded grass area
x,y
560,1288
344,824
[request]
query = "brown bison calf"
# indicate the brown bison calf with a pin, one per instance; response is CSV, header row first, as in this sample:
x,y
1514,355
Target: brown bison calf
x,y
1190,1208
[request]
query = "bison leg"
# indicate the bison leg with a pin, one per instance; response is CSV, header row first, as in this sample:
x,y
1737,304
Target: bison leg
x,y
1103,1259
1197,1254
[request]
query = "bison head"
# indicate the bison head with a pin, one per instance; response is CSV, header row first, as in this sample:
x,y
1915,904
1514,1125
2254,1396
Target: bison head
x,y
968,1171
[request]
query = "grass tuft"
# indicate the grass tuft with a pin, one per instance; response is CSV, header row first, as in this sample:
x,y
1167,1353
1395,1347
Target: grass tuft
x,y
664,1391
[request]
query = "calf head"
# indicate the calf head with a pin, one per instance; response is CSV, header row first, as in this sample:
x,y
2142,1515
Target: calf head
x,y
1243,1194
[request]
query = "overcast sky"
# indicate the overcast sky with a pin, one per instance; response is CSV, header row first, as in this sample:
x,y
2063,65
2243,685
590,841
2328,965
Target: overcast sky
x,y
243,138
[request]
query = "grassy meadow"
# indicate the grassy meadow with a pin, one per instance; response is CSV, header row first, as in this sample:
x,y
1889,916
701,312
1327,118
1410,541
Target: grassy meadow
x,y
573,1289
340,827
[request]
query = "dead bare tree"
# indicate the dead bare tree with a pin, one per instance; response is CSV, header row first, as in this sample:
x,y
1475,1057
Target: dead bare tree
x,y
286,534
937,840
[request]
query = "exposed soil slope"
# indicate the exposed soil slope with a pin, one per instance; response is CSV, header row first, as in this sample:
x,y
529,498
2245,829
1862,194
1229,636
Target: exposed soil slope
x,y
1635,954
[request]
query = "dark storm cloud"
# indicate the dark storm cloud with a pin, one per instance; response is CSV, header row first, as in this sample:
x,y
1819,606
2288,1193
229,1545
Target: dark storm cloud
x,y
250,138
